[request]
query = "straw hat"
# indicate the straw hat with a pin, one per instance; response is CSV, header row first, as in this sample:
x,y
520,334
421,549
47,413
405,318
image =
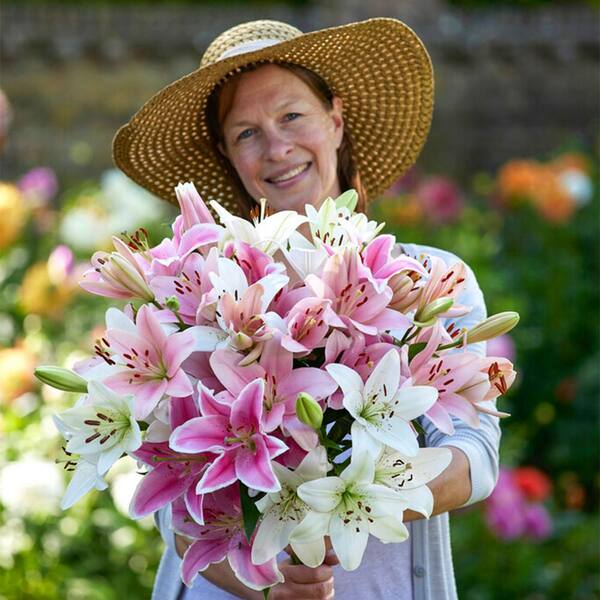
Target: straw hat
x,y
378,67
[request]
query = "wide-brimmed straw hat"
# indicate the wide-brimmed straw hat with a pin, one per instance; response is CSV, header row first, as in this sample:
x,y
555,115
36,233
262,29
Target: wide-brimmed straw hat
x,y
379,68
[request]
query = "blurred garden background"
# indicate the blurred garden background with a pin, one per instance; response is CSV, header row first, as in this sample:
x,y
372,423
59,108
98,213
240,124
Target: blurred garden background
x,y
508,181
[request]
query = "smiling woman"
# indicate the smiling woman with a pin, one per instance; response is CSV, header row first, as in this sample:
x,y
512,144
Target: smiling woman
x,y
295,149
295,118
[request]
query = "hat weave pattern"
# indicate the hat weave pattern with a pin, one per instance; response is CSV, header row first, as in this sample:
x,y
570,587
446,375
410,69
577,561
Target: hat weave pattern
x,y
378,67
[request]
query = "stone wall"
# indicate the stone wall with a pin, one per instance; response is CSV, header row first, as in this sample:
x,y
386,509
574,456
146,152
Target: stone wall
x,y
509,82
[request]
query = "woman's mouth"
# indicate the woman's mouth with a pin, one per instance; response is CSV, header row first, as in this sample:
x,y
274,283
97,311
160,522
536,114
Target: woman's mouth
x,y
289,177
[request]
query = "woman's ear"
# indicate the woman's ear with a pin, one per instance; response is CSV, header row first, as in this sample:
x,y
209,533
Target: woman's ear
x,y
338,120
221,148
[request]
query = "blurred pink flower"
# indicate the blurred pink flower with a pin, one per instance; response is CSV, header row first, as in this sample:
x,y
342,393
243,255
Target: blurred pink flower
x,y
538,524
509,515
39,184
441,199
502,345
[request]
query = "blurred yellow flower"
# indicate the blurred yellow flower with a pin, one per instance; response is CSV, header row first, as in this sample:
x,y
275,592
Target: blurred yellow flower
x,y
40,295
13,214
16,372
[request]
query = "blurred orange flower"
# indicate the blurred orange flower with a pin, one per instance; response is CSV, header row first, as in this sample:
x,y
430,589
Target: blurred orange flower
x,y
16,372
540,184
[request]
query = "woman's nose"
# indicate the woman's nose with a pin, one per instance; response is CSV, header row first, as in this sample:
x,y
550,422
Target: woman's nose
x,y
277,145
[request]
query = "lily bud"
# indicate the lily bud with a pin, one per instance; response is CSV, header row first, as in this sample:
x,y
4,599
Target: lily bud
x,y
308,410
172,303
61,379
428,314
493,327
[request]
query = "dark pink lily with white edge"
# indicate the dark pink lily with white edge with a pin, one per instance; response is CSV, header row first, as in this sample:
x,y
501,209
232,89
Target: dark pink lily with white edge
x,y
221,536
173,474
234,431
282,384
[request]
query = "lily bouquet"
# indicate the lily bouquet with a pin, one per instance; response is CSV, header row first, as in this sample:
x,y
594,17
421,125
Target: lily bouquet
x,y
269,377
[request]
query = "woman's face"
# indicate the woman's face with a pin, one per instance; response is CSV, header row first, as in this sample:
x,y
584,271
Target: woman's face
x,y
282,140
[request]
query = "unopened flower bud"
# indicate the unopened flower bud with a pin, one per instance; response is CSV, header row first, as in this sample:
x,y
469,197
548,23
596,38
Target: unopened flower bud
x,y
172,303
428,314
493,327
308,410
61,379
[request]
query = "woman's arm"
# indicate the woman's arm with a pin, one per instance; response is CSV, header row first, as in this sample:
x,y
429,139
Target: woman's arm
x,y
473,471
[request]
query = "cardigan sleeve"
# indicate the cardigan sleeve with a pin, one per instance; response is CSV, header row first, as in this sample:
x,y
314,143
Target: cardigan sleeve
x,y
481,446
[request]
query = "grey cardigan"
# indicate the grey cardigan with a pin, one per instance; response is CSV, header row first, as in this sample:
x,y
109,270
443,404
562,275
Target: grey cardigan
x,y
432,569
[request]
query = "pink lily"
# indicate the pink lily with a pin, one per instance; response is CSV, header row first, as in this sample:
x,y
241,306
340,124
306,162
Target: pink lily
x,y
282,384
236,432
355,299
120,274
308,323
173,474
190,286
444,282
221,536
457,378
381,266
151,362
255,263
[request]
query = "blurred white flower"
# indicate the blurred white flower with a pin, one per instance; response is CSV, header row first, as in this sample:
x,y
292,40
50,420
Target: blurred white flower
x,y
30,486
124,480
86,228
121,205
13,540
578,185
128,204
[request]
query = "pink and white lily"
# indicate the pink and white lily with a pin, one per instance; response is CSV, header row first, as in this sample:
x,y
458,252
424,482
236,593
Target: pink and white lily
x,y
221,536
150,361
354,298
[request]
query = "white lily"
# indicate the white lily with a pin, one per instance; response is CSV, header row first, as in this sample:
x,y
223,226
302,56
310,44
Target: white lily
x,y
408,476
284,510
304,257
267,233
383,409
336,224
85,478
101,428
348,508
231,279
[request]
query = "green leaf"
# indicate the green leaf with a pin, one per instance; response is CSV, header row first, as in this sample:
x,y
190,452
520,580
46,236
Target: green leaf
x,y
250,513
414,349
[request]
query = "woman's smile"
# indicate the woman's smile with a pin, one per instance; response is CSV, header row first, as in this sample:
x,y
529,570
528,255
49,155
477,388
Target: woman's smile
x,y
289,177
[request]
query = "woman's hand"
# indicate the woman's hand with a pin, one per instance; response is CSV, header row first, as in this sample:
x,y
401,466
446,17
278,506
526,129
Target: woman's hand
x,y
301,582
304,583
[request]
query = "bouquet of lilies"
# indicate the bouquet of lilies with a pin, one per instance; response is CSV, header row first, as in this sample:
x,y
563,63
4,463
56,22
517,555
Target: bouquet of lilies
x,y
268,377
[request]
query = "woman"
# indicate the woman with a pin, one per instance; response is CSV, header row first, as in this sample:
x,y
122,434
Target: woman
x,y
296,118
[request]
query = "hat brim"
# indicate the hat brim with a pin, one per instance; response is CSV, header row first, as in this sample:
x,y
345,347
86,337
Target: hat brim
x,y
379,68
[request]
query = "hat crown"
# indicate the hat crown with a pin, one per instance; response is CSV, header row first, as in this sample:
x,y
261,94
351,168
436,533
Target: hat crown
x,y
248,37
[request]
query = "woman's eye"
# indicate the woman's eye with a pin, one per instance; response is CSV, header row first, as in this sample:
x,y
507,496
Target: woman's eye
x,y
291,116
244,134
